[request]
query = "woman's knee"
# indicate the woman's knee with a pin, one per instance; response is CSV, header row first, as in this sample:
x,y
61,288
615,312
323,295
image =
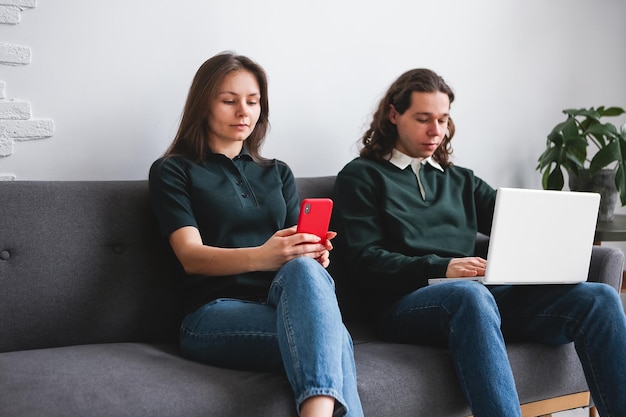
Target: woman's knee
x,y
305,279
305,271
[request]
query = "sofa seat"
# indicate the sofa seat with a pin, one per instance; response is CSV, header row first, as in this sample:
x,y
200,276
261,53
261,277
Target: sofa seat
x,y
141,379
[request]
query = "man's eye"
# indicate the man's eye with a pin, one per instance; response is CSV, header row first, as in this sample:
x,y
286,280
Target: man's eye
x,y
422,120
443,121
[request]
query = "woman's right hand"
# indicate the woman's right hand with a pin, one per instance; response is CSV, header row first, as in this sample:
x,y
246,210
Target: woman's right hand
x,y
466,267
285,245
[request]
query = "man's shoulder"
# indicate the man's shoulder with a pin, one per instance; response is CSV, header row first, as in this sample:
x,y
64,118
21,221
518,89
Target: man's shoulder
x,y
360,164
456,170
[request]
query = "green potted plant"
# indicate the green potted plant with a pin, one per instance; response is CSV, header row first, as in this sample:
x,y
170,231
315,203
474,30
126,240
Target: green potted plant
x,y
602,171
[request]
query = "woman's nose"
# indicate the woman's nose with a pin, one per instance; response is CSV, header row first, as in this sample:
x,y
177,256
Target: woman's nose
x,y
242,109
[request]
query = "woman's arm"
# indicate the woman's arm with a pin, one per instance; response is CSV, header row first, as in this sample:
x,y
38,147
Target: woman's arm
x,y
283,246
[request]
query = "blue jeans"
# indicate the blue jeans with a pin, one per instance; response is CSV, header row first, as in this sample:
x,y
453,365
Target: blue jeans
x,y
298,329
473,321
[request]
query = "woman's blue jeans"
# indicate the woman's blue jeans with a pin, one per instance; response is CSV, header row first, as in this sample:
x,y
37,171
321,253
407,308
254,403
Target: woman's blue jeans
x,y
473,321
299,329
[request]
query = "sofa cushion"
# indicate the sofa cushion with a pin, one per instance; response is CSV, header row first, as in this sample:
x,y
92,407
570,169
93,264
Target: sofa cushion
x,y
133,380
104,380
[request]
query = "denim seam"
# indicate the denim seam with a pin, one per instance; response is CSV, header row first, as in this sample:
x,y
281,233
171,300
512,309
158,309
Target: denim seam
x,y
234,334
289,333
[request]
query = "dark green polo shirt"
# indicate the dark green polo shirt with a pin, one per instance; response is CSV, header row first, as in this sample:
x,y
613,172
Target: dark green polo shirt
x,y
233,203
391,239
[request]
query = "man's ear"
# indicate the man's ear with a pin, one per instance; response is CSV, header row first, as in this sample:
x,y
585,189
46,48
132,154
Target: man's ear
x,y
393,114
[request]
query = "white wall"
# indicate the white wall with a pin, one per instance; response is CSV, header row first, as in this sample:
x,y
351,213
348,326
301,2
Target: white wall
x,y
113,75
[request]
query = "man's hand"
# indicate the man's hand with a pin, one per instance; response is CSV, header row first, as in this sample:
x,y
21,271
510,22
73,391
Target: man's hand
x,y
466,267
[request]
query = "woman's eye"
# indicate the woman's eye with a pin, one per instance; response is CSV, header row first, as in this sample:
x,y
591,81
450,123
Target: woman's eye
x,y
228,102
252,103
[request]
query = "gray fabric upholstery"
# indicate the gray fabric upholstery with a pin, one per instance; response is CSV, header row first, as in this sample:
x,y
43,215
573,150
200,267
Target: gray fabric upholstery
x,y
89,315
83,266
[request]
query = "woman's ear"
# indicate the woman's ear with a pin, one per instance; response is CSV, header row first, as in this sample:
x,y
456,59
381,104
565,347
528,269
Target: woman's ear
x,y
393,114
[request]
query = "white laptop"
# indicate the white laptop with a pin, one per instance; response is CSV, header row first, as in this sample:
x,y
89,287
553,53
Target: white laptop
x,y
540,237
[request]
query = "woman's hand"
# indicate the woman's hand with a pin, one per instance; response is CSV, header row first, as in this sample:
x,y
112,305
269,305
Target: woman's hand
x,y
466,267
324,259
286,244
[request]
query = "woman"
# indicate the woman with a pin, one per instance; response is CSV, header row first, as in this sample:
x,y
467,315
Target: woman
x,y
258,296
405,214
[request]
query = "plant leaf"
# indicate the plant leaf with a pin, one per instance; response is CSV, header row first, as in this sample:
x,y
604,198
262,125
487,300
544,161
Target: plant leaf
x,y
612,111
549,156
620,176
605,156
555,180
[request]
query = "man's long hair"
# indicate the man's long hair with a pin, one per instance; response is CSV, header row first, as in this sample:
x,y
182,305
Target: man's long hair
x,y
379,140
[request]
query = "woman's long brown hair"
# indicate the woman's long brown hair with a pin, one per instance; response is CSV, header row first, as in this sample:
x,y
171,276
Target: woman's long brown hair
x,y
192,138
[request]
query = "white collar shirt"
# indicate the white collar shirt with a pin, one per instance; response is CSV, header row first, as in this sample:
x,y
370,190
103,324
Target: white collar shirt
x,y
402,161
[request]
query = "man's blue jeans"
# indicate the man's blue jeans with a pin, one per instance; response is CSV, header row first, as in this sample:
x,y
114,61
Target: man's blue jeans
x,y
299,329
473,321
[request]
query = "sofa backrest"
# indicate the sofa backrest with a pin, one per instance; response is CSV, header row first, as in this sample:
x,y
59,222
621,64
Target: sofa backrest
x,y
81,262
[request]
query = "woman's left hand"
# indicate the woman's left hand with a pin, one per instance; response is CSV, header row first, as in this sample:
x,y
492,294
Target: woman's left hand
x,y
324,258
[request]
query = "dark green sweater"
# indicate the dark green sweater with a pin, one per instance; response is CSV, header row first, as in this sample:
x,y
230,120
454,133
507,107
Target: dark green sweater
x,y
234,204
391,240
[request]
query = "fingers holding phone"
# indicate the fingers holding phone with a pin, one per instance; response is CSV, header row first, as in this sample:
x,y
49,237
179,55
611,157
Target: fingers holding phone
x,y
310,237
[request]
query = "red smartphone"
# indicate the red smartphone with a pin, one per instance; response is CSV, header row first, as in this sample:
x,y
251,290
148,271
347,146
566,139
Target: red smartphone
x,y
314,216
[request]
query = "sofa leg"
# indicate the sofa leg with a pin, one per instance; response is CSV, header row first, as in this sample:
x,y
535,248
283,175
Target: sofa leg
x,y
545,408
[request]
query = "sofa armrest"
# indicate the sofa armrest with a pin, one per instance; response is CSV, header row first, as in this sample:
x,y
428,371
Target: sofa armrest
x,y
481,246
607,266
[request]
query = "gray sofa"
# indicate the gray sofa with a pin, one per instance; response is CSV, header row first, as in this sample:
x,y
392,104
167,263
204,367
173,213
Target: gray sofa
x,y
89,318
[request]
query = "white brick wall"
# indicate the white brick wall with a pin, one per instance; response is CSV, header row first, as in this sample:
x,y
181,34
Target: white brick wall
x,y
11,10
14,54
16,122
10,15
14,110
19,3
26,129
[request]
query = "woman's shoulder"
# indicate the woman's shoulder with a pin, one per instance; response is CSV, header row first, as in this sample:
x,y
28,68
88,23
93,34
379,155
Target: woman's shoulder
x,y
282,165
271,163
175,169
170,161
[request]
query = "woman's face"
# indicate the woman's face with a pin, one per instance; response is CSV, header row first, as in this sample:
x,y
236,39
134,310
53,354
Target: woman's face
x,y
422,127
234,112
